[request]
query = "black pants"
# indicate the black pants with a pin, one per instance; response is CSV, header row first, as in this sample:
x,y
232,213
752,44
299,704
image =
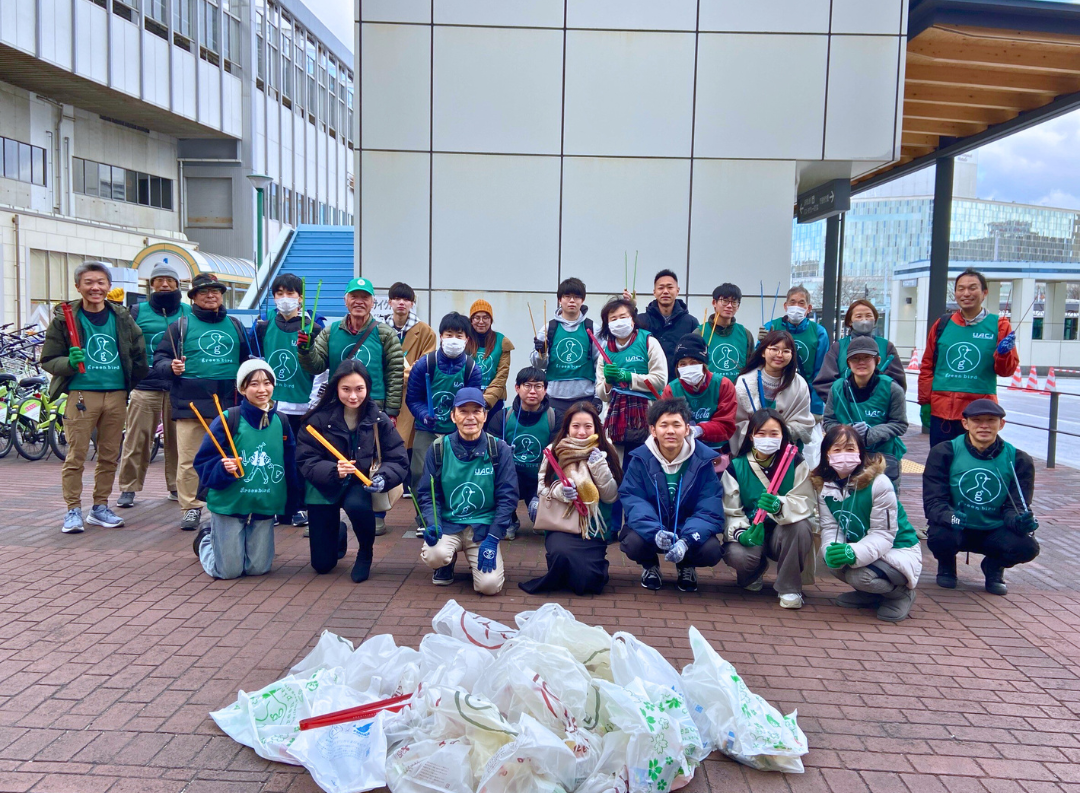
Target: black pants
x,y
1001,546
942,430
527,484
574,564
326,535
637,549
295,423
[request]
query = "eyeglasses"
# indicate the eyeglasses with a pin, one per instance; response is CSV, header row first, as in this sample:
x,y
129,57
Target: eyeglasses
x,y
532,386
728,301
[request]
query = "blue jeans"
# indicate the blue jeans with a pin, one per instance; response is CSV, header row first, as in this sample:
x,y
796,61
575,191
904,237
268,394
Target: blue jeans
x,y
237,546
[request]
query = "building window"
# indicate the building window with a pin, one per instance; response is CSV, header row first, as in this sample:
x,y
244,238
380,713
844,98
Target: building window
x,y
22,162
286,58
120,184
312,103
209,31
184,21
126,9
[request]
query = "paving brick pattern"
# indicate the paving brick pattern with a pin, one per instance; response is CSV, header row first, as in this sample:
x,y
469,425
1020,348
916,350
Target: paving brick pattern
x,y
114,646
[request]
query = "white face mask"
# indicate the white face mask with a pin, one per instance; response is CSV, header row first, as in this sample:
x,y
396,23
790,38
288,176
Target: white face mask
x,y
692,374
796,314
452,348
287,305
767,446
621,328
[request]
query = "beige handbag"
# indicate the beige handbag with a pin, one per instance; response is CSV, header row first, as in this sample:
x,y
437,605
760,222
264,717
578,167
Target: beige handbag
x,y
383,502
555,515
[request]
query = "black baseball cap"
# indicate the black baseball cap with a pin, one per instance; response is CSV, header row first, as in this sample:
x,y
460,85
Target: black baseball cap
x,y
984,407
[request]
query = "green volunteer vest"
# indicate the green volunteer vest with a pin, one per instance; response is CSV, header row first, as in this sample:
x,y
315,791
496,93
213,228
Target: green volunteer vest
x,y
103,369
370,354
568,354
702,405
154,325
727,349
443,388
980,487
468,488
673,485
488,361
750,487
291,383
965,358
853,517
806,344
635,359
841,355
873,411
262,488
212,349
528,442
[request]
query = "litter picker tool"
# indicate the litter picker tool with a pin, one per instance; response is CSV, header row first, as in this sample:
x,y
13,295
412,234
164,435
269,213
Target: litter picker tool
x,y
314,308
777,479
607,359
73,331
579,505
228,434
359,713
635,276
206,427
1019,490
715,317
434,510
333,450
761,287
775,298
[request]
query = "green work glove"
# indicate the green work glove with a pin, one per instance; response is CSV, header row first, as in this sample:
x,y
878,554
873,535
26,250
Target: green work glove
x,y
614,375
770,503
754,537
839,554
76,356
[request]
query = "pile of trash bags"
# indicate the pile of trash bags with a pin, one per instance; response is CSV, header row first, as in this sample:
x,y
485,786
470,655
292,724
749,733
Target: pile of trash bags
x,y
553,706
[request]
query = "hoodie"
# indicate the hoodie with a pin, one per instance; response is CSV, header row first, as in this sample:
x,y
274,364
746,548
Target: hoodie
x,y
571,390
668,330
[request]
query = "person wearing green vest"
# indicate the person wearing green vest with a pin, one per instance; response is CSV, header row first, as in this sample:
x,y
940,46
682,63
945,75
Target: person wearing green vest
x,y
360,336
467,493
785,533
491,351
527,426
860,320
977,491
276,340
244,493
867,540
811,340
563,350
770,380
728,349
634,378
711,397
966,351
148,405
871,402
351,421
112,354
200,355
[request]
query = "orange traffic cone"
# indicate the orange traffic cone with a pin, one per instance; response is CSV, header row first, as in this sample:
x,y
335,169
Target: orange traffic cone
x,y
1017,383
913,364
1051,380
1032,381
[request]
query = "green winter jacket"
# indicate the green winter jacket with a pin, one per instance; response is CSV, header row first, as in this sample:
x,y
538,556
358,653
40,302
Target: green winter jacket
x,y
130,344
315,360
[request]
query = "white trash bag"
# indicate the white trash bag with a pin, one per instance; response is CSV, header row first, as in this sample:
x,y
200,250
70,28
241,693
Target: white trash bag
x,y
431,766
536,761
610,774
344,758
453,620
447,662
741,724
552,624
330,651
382,669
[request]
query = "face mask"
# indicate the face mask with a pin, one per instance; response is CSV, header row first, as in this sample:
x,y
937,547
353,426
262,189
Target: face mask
x,y
621,328
767,446
844,462
452,348
796,314
165,301
863,327
692,374
287,305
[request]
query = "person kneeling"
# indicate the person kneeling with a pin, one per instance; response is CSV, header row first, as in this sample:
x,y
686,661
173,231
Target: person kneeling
x,y
784,534
866,537
977,492
467,493
244,493
672,499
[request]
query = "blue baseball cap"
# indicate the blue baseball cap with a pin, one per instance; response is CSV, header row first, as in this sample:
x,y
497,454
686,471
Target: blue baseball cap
x,y
470,396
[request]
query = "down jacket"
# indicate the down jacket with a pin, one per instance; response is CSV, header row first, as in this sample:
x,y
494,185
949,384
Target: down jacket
x,y
316,360
796,504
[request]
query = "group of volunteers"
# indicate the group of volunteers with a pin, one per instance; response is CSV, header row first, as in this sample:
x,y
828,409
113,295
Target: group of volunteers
x,y
667,435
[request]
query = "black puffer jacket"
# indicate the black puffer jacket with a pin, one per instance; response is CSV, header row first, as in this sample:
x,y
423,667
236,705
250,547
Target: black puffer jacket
x,y
668,330
937,493
319,467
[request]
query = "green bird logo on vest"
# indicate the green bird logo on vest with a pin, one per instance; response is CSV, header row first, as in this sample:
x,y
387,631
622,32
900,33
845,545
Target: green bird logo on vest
x,y
363,355
570,351
802,351
101,349
216,344
724,358
980,486
527,449
672,491
260,466
442,402
487,367
851,524
284,364
963,357
467,499
155,340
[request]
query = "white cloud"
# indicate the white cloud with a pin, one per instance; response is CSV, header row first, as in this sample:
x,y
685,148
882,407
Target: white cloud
x,y
1037,166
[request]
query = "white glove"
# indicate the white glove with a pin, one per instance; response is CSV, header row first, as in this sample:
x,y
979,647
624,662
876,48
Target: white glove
x,y
677,552
697,431
596,455
569,492
665,539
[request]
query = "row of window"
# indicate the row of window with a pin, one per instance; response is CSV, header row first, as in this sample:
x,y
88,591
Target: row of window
x,y
120,184
292,208
22,161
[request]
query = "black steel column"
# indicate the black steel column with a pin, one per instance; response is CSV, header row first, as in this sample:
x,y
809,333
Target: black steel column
x,y
941,226
829,274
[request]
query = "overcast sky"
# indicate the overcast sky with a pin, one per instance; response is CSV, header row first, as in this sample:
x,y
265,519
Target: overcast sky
x,y
336,15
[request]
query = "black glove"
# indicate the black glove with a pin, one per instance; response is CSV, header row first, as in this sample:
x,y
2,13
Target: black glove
x,y
1021,522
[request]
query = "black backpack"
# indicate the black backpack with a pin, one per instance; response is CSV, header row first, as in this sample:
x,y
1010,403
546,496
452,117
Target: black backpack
x,y
554,325
942,323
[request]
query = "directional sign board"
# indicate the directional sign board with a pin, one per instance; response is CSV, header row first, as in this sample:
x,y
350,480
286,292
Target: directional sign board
x,y
824,201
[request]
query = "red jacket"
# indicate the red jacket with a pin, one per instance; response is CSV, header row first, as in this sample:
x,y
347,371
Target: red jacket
x,y
721,426
950,405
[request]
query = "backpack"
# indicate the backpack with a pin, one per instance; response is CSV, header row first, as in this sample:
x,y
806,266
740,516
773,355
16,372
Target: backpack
x,y
550,421
942,323
433,361
554,324
492,449
181,329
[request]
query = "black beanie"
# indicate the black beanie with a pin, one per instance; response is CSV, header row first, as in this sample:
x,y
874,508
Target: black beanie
x,y
691,346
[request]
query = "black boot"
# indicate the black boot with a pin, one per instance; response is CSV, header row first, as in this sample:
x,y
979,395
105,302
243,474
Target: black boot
x,y
995,577
946,573
360,570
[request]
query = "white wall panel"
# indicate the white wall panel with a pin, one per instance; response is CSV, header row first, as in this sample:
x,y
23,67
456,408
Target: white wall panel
x,y
495,222
769,16
299,153
232,89
395,10
25,25
760,96
498,90
509,13
867,16
155,72
287,151
862,97
56,35
395,86
613,206
126,65
632,14
394,218
258,144
183,82
324,193
629,94
209,94
273,140
91,30
741,225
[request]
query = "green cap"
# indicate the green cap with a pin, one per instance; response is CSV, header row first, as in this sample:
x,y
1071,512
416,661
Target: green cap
x,y
360,285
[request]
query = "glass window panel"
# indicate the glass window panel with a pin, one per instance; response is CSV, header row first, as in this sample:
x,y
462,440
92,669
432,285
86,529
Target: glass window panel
x,y
144,189
118,184
166,194
155,191
131,191
77,174
37,156
39,276
104,181
11,158
25,167
90,170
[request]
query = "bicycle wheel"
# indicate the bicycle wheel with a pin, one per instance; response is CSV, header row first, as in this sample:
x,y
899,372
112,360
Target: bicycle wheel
x,y
7,437
156,447
57,438
31,440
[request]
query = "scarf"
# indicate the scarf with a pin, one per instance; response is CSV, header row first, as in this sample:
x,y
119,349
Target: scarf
x,y
572,455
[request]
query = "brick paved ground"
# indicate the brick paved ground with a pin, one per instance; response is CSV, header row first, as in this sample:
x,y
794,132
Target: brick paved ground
x,y
114,646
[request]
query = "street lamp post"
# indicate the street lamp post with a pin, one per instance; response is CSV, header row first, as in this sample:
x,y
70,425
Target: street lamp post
x,y
260,182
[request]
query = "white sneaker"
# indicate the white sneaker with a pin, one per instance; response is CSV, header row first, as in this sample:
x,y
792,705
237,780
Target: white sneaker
x,y
793,601
73,521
